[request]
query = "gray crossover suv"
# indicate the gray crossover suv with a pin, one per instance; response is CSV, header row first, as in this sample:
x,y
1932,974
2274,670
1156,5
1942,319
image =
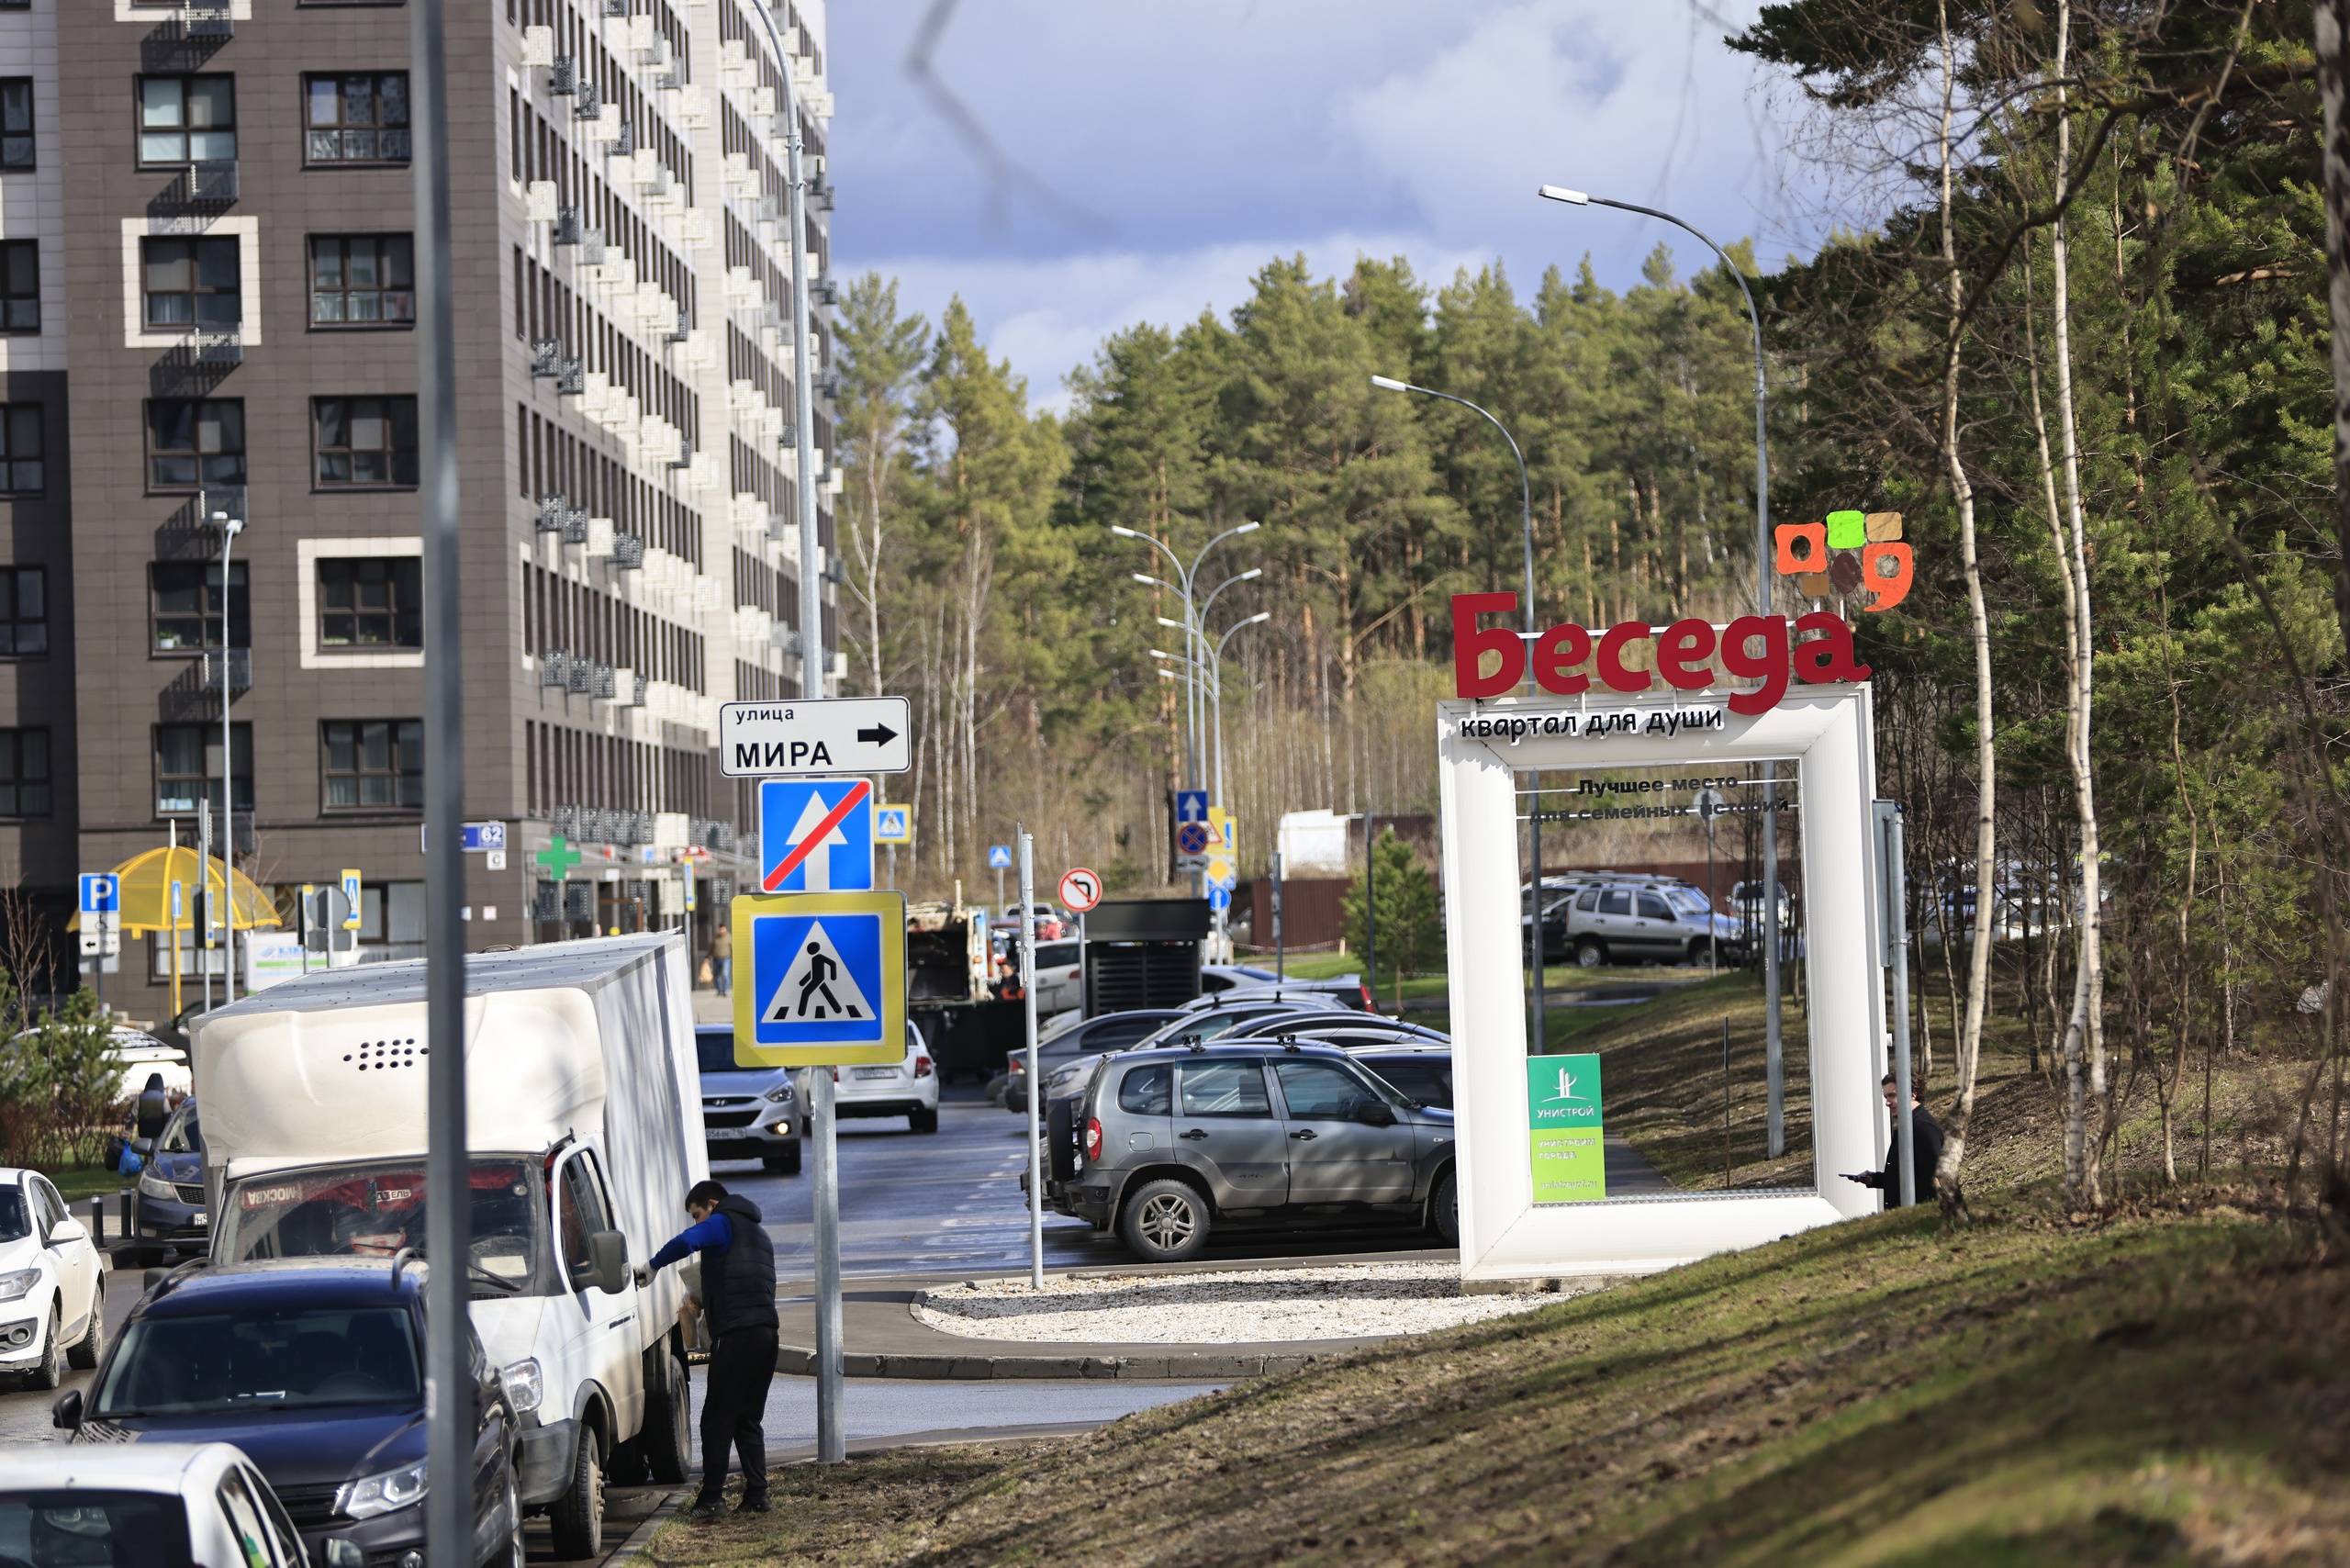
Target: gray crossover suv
x,y
1166,1143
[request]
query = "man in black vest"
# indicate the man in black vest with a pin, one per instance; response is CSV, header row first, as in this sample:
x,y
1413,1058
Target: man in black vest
x,y
738,1297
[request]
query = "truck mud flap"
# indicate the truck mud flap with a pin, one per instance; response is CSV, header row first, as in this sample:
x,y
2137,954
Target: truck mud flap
x,y
542,1462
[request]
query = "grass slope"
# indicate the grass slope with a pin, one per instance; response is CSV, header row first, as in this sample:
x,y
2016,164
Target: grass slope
x,y
2161,1389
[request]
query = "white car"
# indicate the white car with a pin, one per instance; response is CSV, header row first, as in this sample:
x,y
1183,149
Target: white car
x,y
140,1055
182,1502
53,1285
1060,977
909,1089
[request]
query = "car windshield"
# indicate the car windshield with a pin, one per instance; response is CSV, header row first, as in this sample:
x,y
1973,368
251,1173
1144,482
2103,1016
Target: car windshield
x,y
15,1214
714,1051
1689,902
376,1210
181,1135
68,1528
255,1358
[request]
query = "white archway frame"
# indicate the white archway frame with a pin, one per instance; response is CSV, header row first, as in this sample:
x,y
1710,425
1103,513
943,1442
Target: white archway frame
x,y
1827,733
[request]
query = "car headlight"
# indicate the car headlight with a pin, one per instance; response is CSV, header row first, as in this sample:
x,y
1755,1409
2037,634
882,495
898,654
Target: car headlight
x,y
779,1094
13,1284
151,1185
525,1386
373,1494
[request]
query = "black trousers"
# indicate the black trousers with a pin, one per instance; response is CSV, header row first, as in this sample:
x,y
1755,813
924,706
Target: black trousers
x,y
741,1374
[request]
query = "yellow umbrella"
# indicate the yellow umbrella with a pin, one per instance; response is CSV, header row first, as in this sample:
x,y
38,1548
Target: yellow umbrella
x,y
147,881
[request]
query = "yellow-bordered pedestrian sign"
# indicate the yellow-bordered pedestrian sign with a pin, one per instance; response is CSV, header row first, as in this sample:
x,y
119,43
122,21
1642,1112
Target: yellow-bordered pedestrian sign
x,y
823,978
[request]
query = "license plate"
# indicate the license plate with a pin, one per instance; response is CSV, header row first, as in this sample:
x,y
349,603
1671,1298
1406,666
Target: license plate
x,y
201,1218
873,1072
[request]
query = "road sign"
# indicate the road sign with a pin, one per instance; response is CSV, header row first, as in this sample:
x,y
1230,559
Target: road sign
x,y
803,737
1711,803
350,893
893,824
1191,805
999,857
495,859
1219,899
1223,831
1221,872
826,978
101,893
1192,838
1080,890
815,837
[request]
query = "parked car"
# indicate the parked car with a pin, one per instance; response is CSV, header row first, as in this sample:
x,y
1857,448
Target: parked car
x,y
1423,1071
1166,1145
166,1504
747,1112
141,1055
53,1284
908,1089
1346,990
1647,920
1081,1037
314,1368
1060,977
1224,977
167,1210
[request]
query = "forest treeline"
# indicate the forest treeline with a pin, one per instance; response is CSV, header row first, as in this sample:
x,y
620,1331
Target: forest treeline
x,y
2080,342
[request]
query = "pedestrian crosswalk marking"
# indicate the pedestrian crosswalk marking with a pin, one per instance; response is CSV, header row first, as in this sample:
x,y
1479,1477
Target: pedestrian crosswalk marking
x,y
818,988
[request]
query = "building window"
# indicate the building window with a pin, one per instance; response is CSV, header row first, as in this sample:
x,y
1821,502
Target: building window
x,y
186,606
21,473
187,119
191,283
24,773
361,280
391,914
374,764
357,118
366,440
20,285
187,766
16,123
194,440
24,610
371,602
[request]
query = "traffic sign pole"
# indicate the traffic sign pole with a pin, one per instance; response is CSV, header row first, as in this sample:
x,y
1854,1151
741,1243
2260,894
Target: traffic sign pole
x,y
1035,1084
832,1441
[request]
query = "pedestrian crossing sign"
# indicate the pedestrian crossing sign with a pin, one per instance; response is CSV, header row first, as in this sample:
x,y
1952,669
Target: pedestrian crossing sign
x,y
824,981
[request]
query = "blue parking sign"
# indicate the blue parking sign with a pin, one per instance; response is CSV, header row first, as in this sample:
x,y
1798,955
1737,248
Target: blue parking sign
x,y
101,893
825,980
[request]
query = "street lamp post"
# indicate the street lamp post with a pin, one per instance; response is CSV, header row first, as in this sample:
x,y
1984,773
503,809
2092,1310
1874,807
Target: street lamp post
x,y
1538,1031
230,527
1775,1065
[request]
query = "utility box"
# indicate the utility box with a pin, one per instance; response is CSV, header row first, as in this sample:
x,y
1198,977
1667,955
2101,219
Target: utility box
x,y
1143,952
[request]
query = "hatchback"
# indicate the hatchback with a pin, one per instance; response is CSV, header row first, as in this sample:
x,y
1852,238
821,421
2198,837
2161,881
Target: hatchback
x,y
907,1088
52,1284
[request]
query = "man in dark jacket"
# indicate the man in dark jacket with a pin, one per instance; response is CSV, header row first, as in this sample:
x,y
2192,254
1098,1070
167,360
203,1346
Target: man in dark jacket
x,y
1929,1150
738,1298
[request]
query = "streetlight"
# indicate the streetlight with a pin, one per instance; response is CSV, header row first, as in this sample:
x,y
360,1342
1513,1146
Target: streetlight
x,y
1774,1068
230,526
1539,1030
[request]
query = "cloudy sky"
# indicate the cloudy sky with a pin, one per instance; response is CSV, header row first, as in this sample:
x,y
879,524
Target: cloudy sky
x,y
1149,156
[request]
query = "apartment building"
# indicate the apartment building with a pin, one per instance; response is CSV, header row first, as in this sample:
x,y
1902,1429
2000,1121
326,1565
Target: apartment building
x,y
206,313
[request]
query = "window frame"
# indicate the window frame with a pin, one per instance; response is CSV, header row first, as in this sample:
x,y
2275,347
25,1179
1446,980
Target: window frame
x,y
30,135
399,585
15,779
10,464
399,773
379,126
382,241
207,614
391,453
196,453
13,618
140,129
9,250
241,738
198,290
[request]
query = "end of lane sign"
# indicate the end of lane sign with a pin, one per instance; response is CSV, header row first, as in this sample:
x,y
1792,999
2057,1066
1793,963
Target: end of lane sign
x,y
801,737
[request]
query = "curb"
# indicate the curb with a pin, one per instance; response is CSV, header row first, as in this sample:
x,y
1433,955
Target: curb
x,y
1181,1367
634,1548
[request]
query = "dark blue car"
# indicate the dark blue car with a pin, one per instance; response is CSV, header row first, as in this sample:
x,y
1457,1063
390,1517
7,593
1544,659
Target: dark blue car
x,y
169,1214
316,1370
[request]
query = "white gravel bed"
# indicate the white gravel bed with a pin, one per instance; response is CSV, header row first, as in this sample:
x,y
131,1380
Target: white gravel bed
x,y
1233,1307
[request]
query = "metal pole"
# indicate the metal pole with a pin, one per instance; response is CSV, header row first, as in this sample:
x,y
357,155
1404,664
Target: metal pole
x,y
1280,964
230,527
449,1420
1371,909
1896,916
204,894
832,1439
1035,1082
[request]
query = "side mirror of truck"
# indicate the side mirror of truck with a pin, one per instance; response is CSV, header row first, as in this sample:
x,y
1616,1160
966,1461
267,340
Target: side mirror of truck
x,y
608,1261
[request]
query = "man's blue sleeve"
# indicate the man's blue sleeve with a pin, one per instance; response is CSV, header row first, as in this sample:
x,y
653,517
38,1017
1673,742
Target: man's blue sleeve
x,y
712,1232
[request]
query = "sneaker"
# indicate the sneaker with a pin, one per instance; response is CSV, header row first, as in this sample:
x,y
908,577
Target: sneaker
x,y
707,1510
755,1503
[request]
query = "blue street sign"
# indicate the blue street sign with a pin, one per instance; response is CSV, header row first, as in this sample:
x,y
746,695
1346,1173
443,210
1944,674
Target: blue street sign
x,y
998,856
101,893
893,824
826,980
1192,837
1219,898
481,837
815,836
1191,805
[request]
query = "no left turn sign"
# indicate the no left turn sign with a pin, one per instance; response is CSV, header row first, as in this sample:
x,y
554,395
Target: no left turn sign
x,y
1080,890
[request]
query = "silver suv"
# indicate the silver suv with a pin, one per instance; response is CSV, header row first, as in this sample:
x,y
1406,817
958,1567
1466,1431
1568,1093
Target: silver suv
x,y
1168,1143
1646,919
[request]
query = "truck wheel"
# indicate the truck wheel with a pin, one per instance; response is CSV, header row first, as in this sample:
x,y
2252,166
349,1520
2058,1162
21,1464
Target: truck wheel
x,y
1444,1210
1590,954
922,1118
1165,1222
785,1164
84,1353
577,1516
667,1441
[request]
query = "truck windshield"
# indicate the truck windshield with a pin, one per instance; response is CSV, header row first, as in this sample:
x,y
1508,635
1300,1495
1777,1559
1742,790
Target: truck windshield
x,y
373,1210
295,1358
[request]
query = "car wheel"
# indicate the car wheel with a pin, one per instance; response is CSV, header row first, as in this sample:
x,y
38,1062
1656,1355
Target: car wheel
x,y
1701,953
515,1553
46,1374
668,1438
784,1164
1444,1210
1590,954
1165,1222
922,1118
84,1353
577,1516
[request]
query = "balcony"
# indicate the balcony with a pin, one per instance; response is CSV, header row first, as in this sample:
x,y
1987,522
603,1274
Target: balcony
x,y
554,668
213,180
218,504
545,358
562,76
627,552
221,347
571,377
568,229
684,330
207,22
238,667
588,103
685,457
553,510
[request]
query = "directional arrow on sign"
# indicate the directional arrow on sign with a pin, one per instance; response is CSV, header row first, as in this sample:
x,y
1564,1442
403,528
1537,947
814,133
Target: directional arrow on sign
x,y
880,734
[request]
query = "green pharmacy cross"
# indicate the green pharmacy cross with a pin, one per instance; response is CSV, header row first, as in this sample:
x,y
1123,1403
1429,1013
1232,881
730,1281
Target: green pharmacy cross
x,y
559,859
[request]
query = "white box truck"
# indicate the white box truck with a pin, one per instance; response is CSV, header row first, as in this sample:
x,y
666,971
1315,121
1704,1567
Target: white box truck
x,y
584,1117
